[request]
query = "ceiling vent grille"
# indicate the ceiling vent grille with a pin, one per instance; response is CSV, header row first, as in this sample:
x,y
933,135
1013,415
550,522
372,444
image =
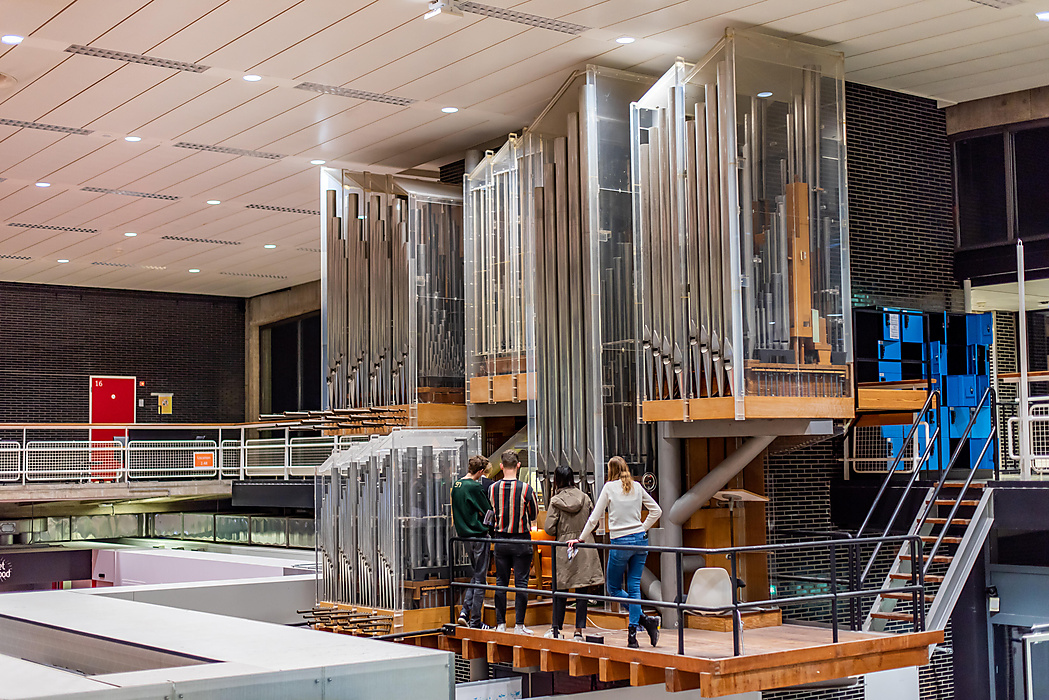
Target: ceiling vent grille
x,y
154,267
15,257
554,25
46,127
129,193
254,274
55,228
186,239
228,150
998,4
287,210
309,250
136,58
112,264
356,94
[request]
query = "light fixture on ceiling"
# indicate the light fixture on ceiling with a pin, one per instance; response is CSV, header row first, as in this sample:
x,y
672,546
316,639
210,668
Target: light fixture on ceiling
x,y
449,110
43,184
625,40
766,93
194,270
133,139
63,260
214,201
12,39
269,246
253,78
318,162
130,234
1043,16
443,11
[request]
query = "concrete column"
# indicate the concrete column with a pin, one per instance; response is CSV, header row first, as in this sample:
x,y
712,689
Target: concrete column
x,y
668,471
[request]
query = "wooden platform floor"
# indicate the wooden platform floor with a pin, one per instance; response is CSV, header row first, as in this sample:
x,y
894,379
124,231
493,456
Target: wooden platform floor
x,y
774,657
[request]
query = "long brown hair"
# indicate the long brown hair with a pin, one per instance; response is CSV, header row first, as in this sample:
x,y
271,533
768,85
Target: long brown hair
x,y
618,469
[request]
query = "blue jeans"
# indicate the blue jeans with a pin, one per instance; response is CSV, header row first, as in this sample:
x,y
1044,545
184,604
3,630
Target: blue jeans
x,y
631,563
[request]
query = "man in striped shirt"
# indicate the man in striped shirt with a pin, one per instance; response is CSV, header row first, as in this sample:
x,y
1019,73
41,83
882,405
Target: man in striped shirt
x,y
515,508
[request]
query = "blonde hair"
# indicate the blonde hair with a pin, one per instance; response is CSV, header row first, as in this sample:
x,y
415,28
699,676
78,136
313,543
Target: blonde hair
x,y
618,469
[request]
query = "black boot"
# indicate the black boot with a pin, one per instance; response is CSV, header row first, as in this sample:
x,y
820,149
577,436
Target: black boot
x,y
651,625
631,639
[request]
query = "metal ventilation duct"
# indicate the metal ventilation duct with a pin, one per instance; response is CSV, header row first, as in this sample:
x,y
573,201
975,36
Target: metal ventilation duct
x,y
287,210
129,193
112,264
45,127
228,150
254,274
356,94
55,228
554,25
187,239
136,58
15,257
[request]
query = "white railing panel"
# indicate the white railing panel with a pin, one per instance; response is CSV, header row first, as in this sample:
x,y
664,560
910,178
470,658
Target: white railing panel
x,y
74,460
172,459
10,461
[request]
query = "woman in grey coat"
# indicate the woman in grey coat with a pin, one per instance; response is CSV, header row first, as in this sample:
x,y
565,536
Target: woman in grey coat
x,y
565,518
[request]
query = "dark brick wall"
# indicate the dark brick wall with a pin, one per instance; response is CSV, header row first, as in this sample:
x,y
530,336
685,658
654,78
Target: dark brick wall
x,y
53,338
901,230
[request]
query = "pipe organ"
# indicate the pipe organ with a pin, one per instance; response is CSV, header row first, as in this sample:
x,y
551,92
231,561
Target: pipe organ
x,y
392,291
549,270
740,228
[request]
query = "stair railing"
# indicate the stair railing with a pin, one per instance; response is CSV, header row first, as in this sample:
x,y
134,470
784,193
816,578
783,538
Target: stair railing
x,y
931,402
989,398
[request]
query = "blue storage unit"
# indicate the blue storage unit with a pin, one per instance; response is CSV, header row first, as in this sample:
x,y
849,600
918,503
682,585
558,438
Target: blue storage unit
x,y
979,329
913,328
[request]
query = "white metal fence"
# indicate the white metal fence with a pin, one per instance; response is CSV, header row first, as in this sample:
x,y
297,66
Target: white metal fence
x,y
1038,429
870,451
83,461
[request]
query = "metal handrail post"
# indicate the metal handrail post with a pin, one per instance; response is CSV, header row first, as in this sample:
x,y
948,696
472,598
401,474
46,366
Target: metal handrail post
x,y
918,566
287,452
997,438
834,591
243,456
679,564
553,581
737,618
451,576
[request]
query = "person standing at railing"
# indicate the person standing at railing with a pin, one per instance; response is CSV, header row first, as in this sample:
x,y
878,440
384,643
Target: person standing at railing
x,y
470,508
623,499
565,518
515,507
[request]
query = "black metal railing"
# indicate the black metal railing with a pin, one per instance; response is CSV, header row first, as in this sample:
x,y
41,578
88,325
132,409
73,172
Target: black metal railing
x,y
853,595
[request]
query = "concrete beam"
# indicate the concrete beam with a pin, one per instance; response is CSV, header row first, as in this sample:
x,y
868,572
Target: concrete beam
x,y
106,492
1013,108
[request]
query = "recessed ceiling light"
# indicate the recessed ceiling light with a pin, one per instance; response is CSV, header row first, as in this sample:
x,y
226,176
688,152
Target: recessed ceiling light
x,y
449,110
130,234
12,39
253,78
133,139
765,94
270,246
1044,16
194,270
625,40
318,162
214,201
63,260
43,184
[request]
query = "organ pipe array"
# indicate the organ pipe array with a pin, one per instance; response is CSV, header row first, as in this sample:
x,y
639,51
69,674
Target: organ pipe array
x,y
549,270
392,331
740,226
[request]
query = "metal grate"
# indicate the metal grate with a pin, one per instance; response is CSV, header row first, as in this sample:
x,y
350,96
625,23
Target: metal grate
x,y
228,150
46,127
288,210
356,94
309,250
154,267
15,257
129,193
112,264
869,451
55,228
998,4
136,58
188,239
254,274
554,25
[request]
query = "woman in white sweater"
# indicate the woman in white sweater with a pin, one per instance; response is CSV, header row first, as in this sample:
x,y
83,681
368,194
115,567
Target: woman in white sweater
x,y
623,499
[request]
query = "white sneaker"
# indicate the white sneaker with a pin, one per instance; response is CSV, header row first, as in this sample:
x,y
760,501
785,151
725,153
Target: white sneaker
x,y
500,628
551,634
521,629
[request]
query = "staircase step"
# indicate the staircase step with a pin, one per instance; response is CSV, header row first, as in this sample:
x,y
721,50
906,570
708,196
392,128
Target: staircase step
x,y
949,502
903,617
961,484
931,578
906,596
946,540
943,521
938,559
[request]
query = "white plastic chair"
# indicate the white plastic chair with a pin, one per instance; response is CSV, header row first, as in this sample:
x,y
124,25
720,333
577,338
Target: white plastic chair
x,y
711,587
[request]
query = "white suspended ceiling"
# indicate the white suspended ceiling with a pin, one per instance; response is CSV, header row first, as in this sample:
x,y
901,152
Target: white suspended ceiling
x,y
498,73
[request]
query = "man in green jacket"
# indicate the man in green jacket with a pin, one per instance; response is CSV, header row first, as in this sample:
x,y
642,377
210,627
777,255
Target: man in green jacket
x,y
469,506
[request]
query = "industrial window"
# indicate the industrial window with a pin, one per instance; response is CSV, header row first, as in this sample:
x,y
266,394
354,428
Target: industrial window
x,y
981,187
1031,149
289,355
